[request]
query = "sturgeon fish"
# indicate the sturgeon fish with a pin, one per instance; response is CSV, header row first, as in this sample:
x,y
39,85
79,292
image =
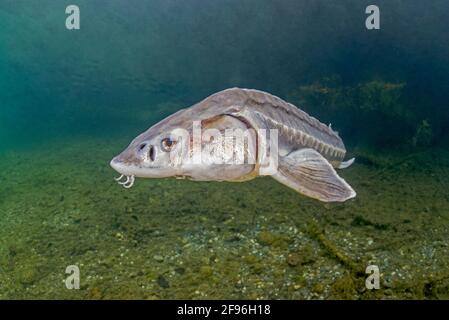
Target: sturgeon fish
x,y
307,151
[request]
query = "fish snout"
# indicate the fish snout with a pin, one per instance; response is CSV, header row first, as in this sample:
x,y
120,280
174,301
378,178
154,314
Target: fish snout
x,y
130,157
123,164
123,167
116,164
134,160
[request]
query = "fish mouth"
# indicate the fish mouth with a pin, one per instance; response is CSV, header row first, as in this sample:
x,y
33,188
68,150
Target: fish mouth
x,y
128,172
130,169
125,172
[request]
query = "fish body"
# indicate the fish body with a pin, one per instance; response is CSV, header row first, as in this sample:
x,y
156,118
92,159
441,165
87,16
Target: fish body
x,y
225,138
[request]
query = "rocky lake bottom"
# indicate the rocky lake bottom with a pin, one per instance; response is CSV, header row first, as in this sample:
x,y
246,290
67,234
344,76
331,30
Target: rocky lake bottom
x,y
178,239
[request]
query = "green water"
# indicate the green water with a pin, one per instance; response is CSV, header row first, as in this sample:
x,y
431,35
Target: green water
x,y
71,100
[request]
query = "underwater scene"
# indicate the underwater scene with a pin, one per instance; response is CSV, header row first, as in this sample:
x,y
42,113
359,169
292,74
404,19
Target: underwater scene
x,y
356,91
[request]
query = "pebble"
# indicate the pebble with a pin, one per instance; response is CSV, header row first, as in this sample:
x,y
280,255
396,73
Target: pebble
x,y
158,258
163,282
180,270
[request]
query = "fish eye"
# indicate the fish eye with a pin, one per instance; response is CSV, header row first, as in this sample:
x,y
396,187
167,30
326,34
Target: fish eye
x,y
167,144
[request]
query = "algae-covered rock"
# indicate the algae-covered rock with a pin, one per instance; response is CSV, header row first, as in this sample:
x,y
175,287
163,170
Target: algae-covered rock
x,y
28,277
299,259
180,270
424,134
95,293
158,258
344,288
318,288
250,259
206,271
258,267
163,282
267,238
255,263
358,106
301,256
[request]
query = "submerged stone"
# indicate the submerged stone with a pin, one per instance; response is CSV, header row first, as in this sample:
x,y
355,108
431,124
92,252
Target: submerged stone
x,y
163,282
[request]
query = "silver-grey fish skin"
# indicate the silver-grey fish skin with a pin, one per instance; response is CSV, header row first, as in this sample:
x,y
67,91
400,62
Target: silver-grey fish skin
x,y
262,110
308,150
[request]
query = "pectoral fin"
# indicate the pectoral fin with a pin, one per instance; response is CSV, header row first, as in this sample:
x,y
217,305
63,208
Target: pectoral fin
x,y
309,173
